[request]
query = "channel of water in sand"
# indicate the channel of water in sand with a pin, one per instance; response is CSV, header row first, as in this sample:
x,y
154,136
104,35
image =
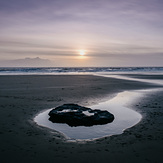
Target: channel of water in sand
x,y
124,118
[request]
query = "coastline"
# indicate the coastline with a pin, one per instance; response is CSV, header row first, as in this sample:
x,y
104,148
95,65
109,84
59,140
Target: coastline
x,y
22,97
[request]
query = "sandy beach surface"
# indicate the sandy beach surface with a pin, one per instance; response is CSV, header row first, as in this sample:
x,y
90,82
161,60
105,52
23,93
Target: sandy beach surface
x,y
23,141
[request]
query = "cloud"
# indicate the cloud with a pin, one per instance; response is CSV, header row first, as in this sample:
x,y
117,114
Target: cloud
x,y
27,62
105,28
17,49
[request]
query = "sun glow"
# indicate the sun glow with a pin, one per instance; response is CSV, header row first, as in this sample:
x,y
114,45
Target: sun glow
x,y
82,52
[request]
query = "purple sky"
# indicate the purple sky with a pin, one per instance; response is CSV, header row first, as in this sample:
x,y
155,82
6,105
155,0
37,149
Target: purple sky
x,y
112,32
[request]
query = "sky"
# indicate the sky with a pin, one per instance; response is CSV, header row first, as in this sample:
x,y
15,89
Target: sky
x,y
110,32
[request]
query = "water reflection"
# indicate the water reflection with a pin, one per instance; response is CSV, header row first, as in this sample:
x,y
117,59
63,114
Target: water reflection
x,y
124,118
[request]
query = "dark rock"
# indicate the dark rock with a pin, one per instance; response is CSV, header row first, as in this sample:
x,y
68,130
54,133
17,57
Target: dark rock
x,y
75,115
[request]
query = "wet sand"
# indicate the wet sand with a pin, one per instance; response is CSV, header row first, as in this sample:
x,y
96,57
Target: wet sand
x,y
23,97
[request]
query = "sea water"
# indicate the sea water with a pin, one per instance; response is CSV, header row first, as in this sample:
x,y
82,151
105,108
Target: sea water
x,y
76,70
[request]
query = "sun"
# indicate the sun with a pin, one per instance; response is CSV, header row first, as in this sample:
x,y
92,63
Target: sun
x,y
82,52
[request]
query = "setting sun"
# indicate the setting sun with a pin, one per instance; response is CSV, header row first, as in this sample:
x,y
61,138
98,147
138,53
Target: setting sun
x,y
82,52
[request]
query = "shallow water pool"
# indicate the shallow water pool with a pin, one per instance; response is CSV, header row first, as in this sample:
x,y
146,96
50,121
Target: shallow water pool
x,y
124,118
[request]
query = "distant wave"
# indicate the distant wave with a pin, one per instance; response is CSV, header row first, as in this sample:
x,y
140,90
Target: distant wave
x,y
71,70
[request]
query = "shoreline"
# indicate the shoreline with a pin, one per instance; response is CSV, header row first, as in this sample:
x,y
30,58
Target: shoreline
x,y
22,97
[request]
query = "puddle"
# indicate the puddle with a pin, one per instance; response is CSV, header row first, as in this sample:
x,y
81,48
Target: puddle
x,y
124,118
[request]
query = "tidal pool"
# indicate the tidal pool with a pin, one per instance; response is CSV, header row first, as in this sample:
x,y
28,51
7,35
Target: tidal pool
x,y
124,118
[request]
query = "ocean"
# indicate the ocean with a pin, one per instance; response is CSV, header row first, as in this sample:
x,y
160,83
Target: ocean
x,y
76,70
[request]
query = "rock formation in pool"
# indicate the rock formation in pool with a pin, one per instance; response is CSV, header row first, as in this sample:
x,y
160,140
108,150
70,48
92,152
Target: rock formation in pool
x,y
75,115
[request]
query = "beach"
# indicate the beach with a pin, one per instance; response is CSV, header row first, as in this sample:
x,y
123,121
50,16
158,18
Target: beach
x,y
22,97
